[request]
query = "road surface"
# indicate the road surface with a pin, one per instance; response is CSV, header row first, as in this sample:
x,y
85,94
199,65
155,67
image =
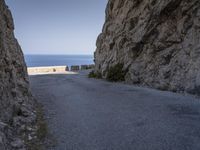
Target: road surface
x,y
90,114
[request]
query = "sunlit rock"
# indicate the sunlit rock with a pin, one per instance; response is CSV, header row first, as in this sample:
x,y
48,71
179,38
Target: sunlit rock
x,y
157,41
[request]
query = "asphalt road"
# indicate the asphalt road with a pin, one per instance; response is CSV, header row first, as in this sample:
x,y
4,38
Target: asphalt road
x,y
90,114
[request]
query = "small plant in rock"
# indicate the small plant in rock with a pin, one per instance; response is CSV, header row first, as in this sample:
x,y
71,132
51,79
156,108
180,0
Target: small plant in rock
x,y
94,74
116,73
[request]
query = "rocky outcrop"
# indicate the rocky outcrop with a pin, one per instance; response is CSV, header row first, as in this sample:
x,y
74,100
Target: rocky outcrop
x,y
16,102
157,41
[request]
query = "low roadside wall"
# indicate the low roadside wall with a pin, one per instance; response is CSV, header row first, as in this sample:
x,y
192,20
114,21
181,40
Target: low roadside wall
x,y
75,68
82,67
33,70
57,69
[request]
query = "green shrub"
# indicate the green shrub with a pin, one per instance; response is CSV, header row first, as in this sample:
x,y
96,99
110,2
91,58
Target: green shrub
x,y
116,73
94,74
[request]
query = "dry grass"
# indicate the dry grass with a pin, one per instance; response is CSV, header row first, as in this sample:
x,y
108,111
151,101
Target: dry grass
x,y
41,132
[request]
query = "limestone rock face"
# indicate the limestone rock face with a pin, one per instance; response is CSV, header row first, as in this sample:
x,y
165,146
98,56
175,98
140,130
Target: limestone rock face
x,y
16,103
157,41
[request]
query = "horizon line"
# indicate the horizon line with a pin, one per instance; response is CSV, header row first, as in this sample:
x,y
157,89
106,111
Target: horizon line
x,y
58,54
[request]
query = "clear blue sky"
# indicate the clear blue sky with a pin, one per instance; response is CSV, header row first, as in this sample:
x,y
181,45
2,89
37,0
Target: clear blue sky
x,y
58,26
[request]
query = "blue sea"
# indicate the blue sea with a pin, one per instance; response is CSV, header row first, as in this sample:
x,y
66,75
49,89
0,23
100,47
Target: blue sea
x,y
58,60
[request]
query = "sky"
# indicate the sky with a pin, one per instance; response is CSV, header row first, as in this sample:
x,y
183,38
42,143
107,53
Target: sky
x,y
58,26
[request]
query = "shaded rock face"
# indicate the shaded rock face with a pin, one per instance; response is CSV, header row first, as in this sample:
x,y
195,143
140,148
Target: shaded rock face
x,y
157,41
16,103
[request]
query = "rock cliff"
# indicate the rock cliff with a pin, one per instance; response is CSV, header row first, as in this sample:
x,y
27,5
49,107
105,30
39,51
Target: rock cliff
x,y
156,41
16,103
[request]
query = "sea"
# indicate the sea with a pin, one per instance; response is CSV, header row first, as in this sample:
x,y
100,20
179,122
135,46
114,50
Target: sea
x,y
58,60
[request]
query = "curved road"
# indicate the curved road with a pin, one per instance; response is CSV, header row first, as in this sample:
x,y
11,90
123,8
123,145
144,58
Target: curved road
x,y
90,114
